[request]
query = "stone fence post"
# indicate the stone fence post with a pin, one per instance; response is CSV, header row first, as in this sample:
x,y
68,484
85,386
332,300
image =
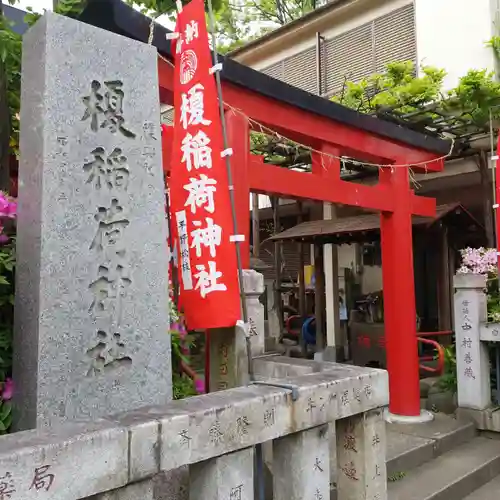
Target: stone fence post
x,y
253,285
228,352
473,369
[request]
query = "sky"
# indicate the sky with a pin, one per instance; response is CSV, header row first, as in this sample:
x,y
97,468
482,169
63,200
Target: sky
x,y
38,5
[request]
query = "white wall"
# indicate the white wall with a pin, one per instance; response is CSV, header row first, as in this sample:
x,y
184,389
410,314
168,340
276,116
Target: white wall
x,y
371,280
346,18
451,34
346,255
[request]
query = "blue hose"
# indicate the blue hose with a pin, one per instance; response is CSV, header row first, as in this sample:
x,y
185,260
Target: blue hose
x,y
309,331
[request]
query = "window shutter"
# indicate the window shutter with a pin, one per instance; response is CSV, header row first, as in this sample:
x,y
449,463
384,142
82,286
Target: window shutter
x,y
349,56
395,37
353,55
300,70
275,70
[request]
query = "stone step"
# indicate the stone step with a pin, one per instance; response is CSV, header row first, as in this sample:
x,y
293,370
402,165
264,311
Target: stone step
x,y
409,446
451,476
490,491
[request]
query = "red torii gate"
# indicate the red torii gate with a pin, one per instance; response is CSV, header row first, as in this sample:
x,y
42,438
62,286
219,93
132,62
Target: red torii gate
x,y
331,129
392,196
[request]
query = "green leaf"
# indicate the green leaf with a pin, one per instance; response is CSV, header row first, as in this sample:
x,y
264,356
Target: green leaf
x,y
5,410
8,421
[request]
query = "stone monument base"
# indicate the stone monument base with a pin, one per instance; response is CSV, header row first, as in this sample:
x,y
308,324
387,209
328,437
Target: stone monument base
x,y
485,420
425,416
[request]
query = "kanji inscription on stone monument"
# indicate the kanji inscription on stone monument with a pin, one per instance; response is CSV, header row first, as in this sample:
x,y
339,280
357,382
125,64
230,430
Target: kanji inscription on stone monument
x,y
91,171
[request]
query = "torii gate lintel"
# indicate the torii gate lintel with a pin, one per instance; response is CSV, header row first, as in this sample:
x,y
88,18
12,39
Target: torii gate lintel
x,y
392,197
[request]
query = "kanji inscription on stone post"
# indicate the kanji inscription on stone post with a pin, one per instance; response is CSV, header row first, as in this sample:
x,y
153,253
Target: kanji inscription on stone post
x,y
92,232
472,355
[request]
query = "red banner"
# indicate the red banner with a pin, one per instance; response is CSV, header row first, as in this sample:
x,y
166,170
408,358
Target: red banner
x,y
199,191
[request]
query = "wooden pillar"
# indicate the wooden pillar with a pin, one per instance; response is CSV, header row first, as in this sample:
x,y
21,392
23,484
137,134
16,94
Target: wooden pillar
x,y
302,285
444,282
399,296
334,336
255,225
319,297
487,196
238,131
275,203
167,138
327,165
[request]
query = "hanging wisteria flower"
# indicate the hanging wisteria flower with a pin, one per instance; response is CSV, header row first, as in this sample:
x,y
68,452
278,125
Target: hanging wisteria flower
x,y
8,210
199,386
7,390
8,207
479,261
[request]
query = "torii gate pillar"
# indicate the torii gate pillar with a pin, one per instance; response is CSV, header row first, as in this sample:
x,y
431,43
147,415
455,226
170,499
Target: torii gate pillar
x,y
400,315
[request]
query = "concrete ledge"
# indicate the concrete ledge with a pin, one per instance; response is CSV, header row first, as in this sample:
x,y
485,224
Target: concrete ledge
x,y
81,460
76,461
266,367
489,332
473,281
485,420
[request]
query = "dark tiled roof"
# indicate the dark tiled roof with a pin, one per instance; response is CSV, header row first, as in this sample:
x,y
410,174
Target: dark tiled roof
x,y
118,17
350,229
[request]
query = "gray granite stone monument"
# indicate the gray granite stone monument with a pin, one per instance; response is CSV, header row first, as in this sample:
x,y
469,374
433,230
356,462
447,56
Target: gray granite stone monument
x,y
91,325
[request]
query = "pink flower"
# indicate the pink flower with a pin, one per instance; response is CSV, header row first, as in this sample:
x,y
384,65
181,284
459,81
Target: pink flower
x,y
478,261
3,237
199,385
8,208
8,389
182,330
12,209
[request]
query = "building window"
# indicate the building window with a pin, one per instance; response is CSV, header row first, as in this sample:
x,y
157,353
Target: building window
x,y
353,55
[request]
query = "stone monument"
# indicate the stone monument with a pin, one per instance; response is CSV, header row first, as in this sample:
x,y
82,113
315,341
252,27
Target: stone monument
x,y
473,363
91,325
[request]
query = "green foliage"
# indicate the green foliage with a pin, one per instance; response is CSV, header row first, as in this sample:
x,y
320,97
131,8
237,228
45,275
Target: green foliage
x,y
182,386
10,56
476,94
448,381
157,8
239,22
396,88
397,476
7,264
179,344
492,297
494,44
400,91
5,417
